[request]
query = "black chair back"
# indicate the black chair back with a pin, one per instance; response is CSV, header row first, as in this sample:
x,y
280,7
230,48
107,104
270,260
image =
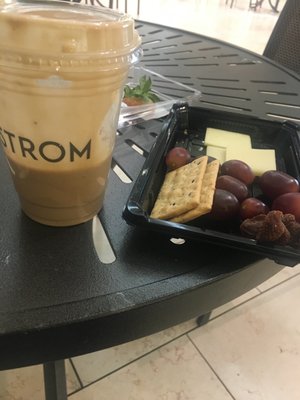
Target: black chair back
x,y
284,43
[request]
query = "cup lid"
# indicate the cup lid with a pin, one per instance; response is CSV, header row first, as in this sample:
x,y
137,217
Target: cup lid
x,y
66,30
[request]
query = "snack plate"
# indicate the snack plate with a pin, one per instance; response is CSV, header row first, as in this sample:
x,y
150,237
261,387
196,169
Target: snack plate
x,y
168,90
186,127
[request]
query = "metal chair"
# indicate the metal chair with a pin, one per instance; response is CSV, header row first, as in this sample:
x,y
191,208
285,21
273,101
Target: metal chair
x,y
126,6
110,4
284,43
231,3
92,2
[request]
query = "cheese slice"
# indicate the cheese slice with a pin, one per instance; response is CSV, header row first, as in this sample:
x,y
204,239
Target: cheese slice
x,y
216,152
260,160
222,138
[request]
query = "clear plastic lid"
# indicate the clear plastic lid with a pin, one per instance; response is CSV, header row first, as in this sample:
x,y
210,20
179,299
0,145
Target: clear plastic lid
x,y
43,32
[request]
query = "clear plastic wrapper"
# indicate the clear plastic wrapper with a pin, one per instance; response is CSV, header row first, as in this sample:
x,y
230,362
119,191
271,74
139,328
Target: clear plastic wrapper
x,y
168,90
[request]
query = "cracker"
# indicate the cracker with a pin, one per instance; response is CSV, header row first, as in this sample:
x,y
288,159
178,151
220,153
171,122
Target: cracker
x,y
180,191
206,194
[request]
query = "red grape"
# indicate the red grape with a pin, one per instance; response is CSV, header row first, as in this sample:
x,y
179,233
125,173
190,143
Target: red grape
x,y
288,203
177,157
225,205
252,207
276,183
233,185
239,170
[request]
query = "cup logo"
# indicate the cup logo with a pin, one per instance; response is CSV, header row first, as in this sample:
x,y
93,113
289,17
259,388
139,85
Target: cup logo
x,y
48,150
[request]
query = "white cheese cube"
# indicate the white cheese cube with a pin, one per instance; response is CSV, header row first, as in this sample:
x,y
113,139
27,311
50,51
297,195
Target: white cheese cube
x,y
222,138
217,152
260,160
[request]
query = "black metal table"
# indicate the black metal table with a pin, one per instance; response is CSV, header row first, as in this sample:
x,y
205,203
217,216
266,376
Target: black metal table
x,y
58,299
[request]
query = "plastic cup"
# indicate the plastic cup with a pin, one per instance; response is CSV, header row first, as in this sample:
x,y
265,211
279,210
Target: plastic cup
x,y
63,67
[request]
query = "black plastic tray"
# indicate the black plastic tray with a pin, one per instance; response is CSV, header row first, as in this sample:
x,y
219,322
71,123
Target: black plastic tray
x,y
186,126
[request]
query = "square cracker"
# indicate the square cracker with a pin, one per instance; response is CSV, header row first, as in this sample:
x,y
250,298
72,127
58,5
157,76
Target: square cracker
x,y
180,191
206,194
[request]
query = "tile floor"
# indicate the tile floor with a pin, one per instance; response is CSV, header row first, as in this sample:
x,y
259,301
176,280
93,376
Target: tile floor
x,y
214,18
250,348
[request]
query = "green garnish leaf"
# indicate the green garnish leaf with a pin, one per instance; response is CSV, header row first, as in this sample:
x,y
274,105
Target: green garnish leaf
x,y
145,84
153,97
142,90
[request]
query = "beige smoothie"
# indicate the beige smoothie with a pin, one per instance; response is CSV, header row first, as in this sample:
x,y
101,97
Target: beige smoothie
x,y
62,71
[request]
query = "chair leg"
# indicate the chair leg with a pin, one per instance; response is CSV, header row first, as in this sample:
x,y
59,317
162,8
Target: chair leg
x,y
55,380
231,3
255,3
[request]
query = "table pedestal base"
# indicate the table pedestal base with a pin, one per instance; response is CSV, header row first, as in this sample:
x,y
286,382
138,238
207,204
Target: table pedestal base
x,y
203,319
55,380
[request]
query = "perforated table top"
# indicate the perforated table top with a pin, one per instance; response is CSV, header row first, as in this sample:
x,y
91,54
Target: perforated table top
x,y
229,77
59,299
